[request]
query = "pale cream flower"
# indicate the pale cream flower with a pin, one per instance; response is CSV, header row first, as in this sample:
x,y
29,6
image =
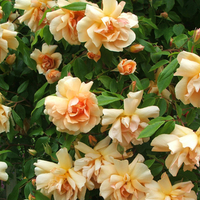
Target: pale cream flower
x,y
7,39
5,113
164,190
102,154
46,59
124,181
188,88
75,109
184,147
128,123
126,67
33,12
60,180
108,27
3,174
63,22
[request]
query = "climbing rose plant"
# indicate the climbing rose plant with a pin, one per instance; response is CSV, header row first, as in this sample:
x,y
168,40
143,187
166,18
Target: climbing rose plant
x,y
99,99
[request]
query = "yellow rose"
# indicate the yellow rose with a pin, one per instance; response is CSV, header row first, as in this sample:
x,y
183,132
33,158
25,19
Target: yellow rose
x,y
126,67
3,174
108,27
75,109
188,88
4,118
60,179
46,59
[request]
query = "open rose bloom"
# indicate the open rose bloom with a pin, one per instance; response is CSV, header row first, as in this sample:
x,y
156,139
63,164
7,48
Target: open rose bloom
x,y
124,181
60,179
75,109
184,147
47,59
128,123
188,88
5,113
90,165
34,11
63,22
108,27
7,39
3,174
164,190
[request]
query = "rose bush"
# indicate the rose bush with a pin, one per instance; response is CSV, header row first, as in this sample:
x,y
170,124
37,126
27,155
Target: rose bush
x,y
99,99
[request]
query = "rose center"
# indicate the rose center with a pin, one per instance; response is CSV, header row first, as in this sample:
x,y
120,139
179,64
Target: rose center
x,y
47,62
76,107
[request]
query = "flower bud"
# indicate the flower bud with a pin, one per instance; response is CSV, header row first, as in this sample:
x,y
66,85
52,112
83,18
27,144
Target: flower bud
x,y
92,140
33,182
47,149
32,152
136,48
196,36
171,42
52,76
1,13
93,56
126,67
31,197
11,59
164,15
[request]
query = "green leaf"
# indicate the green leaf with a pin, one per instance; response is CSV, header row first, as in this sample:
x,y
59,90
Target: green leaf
x,y
191,116
169,5
157,119
178,29
76,6
68,141
105,80
17,118
150,129
162,104
39,94
80,68
36,37
167,128
138,83
149,163
105,100
5,151
29,168
36,115
15,192
120,149
40,142
165,77
148,21
23,87
25,51
172,15
3,84
179,110
28,189
158,64
7,8
40,196
147,46
156,168
65,70
48,37
180,40
40,103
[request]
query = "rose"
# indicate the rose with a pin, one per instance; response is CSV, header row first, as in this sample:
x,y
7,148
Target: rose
x,y
126,67
188,88
4,118
34,11
3,174
108,27
46,59
7,39
52,76
75,109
